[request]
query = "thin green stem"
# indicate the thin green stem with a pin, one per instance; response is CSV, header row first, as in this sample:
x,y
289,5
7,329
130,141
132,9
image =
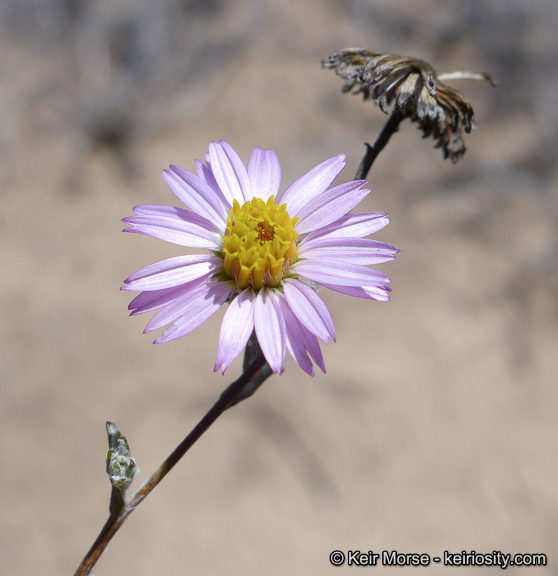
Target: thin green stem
x,y
226,400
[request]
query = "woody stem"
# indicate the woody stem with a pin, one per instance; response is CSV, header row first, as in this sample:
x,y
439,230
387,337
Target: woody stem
x,y
372,152
227,399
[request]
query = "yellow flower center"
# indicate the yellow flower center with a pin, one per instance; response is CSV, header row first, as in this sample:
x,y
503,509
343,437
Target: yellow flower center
x,y
259,244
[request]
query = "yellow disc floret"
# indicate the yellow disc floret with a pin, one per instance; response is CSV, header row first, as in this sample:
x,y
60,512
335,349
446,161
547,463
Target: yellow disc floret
x,y
259,244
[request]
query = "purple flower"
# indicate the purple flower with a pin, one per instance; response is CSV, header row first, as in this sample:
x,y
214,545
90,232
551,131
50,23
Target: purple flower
x,y
263,249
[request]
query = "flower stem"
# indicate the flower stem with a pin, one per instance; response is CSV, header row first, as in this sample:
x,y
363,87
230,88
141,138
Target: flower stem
x,y
226,400
372,152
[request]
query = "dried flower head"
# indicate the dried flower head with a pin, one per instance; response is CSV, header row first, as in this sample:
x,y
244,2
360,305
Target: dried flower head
x,y
416,91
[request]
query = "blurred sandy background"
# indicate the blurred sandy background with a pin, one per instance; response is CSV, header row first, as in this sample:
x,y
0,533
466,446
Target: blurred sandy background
x,y
435,426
